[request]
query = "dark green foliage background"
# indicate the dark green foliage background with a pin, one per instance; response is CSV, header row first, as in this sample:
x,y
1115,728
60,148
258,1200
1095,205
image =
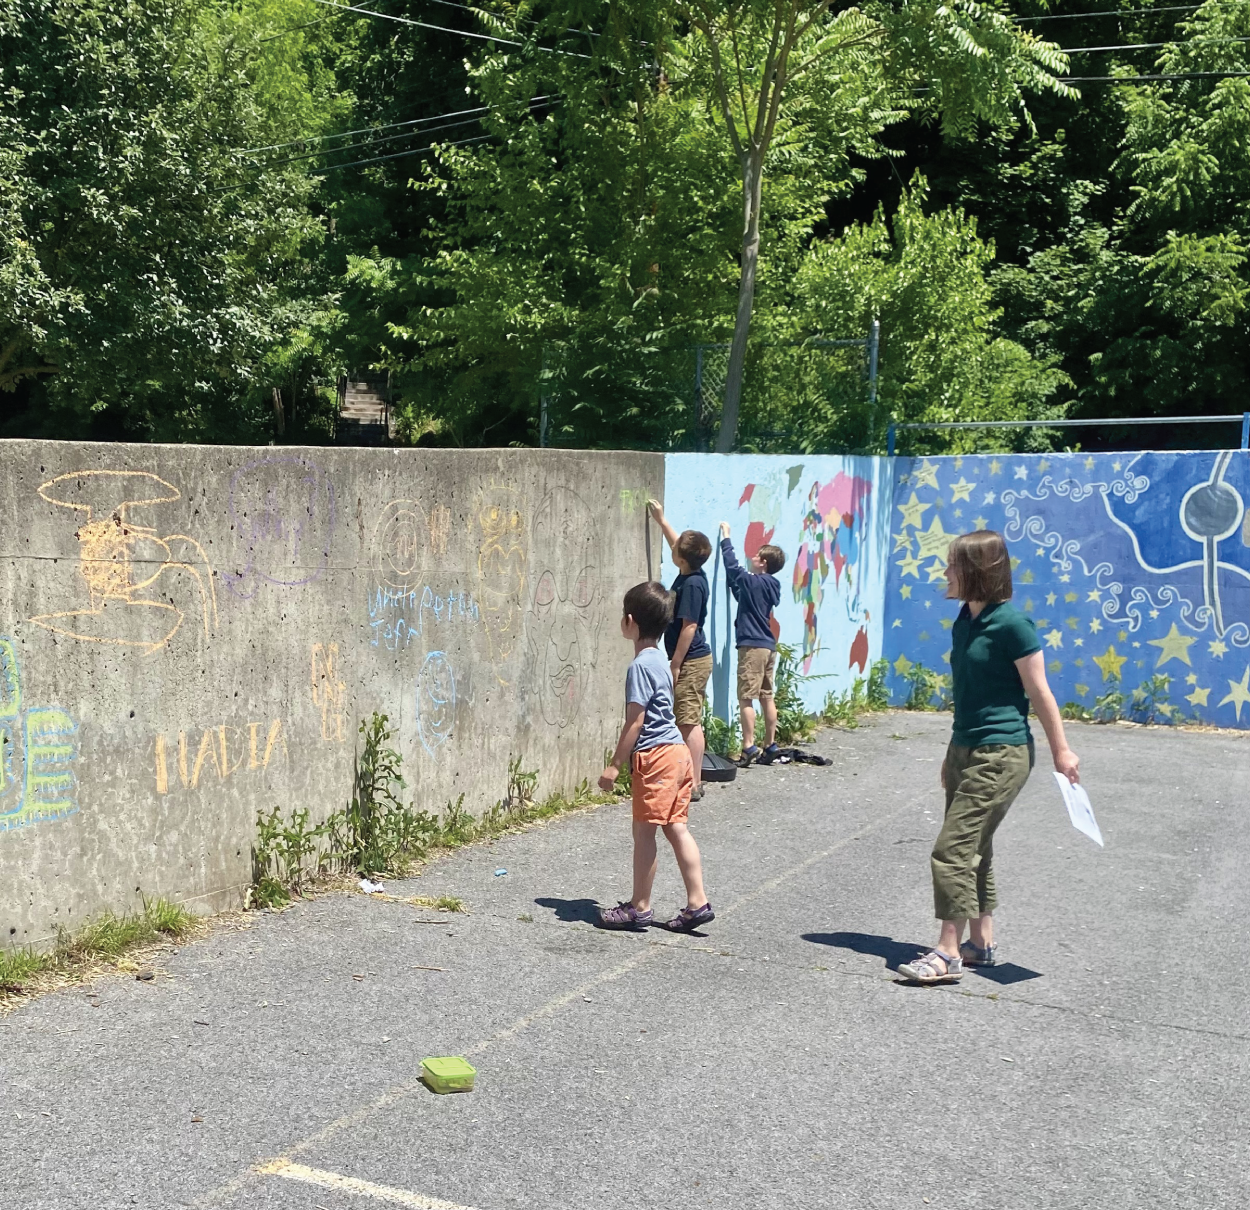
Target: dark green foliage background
x,y
162,279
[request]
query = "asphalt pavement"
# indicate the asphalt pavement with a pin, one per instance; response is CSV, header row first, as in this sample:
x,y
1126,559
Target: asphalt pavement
x,y
773,1061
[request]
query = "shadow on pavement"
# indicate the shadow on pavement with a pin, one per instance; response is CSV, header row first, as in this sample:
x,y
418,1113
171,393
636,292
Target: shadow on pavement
x,y
894,953
572,911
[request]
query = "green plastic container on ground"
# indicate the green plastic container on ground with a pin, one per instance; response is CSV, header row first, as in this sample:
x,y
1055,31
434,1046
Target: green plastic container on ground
x,y
450,1074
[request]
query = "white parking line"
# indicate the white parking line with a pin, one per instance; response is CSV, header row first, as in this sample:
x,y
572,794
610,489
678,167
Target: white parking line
x,y
349,1184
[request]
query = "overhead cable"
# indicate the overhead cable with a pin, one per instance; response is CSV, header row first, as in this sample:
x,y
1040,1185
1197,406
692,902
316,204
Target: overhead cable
x,y
406,134
442,29
1192,75
1089,50
1110,12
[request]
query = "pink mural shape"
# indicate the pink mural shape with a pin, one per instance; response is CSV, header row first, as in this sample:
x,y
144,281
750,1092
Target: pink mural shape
x,y
831,537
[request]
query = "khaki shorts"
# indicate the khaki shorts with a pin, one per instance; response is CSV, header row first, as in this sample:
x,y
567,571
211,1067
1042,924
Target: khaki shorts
x,y
755,673
661,780
690,692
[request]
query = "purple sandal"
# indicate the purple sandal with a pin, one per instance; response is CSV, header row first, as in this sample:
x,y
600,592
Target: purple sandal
x,y
625,916
689,919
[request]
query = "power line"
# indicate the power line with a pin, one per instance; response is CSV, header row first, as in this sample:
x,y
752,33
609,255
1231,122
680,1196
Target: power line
x,y
399,155
1193,75
1088,50
366,129
442,29
405,134
1078,16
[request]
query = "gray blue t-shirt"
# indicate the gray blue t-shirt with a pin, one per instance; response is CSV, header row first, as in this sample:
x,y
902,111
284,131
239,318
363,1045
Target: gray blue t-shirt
x,y
649,684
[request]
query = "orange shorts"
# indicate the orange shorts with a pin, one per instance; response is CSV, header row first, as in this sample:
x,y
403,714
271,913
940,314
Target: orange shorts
x,y
662,779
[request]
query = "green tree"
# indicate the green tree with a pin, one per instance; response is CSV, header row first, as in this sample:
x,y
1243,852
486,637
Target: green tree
x,y
793,78
145,257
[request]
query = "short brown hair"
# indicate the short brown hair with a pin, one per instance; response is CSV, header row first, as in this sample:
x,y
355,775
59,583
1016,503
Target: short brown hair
x,y
773,558
981,565
693,547
650,604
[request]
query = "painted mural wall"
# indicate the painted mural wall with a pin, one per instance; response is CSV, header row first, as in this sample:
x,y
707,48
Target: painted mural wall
x,y
830,515
1132,565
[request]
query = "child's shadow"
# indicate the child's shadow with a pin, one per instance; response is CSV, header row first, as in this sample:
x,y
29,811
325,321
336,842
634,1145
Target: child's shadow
x,y
895,953
572,911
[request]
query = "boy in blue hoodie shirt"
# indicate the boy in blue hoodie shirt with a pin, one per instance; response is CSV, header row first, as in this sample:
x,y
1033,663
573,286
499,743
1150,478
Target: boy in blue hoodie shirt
x,y
757,592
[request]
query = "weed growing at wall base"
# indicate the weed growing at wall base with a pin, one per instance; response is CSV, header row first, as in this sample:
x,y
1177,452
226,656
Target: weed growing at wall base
x,y
865,696
107,937
377,833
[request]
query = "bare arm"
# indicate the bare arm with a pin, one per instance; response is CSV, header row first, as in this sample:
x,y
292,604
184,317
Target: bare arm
x,y
683,645
666,526
1032,671
624,746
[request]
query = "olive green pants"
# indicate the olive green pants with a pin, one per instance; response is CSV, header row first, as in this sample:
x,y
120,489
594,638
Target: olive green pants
x,y
981,785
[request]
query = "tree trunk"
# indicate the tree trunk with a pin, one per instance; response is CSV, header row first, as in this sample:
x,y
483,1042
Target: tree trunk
x,y
752,181
279,420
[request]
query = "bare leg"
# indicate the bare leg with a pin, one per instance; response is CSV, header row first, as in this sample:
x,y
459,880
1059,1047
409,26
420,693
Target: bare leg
x,y
688,862
645,861
747,713
693,735
769,706
981,930
952,935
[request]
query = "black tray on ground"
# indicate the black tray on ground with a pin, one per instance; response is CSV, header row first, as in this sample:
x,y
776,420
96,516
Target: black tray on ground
x,y
717,768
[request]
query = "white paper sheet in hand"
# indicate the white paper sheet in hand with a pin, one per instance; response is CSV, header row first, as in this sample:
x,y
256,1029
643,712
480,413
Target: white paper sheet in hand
x,y
1079,809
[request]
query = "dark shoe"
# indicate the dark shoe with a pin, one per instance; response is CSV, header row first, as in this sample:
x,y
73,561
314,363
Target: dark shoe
x,y
689,919
974,955
748,755
696,795
769,755
625,916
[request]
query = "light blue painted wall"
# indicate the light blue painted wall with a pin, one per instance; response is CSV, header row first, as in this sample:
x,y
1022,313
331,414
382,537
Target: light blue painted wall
x,y
830,515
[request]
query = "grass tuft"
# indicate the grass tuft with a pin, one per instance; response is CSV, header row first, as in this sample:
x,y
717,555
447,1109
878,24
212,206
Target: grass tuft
x,y
108,937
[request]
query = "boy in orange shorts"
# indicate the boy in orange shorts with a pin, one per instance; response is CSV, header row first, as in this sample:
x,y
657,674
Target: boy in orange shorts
x,y
661,771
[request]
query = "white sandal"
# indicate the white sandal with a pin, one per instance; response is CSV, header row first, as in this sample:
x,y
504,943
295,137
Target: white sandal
x,y
934,967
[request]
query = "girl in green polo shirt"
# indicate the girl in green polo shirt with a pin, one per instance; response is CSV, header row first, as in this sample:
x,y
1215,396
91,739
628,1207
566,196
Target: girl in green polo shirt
x,y
997,669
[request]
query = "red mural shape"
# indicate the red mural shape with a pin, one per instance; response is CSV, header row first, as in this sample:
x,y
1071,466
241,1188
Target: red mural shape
x,y
859,650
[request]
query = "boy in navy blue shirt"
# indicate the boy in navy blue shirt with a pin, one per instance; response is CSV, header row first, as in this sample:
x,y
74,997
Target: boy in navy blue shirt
x,y
689,653
758,593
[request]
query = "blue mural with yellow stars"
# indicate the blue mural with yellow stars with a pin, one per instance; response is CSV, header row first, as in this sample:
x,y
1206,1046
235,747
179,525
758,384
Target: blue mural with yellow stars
x,y
1133,566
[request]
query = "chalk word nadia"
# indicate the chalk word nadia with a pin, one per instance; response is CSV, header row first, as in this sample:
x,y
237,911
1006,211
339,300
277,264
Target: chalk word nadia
x,y
226,749
398,615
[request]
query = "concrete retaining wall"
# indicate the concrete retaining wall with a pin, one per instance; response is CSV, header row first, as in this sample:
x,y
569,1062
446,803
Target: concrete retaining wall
x,y
190,635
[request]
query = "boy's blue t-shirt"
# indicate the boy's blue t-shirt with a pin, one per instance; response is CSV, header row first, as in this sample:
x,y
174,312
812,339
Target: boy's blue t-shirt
x,y
649,684
692,597
757,597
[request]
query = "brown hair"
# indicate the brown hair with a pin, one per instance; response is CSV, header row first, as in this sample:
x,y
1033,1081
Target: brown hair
x,y
693,547
650,604
773,558
981,565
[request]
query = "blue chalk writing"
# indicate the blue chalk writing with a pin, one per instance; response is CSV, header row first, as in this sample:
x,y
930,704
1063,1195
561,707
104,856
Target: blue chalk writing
x,y
398,615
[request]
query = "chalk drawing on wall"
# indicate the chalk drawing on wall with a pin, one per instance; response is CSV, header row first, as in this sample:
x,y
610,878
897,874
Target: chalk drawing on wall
x,y
329,692
37,776
405,550
500,533
565,605
282,510
1131,565
222,750
436,701
121,563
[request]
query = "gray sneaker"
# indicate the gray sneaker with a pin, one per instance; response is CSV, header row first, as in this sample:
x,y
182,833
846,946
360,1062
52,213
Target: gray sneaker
x,y
934,967
974,955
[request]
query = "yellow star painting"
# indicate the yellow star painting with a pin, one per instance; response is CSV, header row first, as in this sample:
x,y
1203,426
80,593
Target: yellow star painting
x,y
1173,646
1239,693
1110,664
912,511
910,565
937,571
905,592
925,475
934,541
902,665
1054,638
1198,697
962,490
